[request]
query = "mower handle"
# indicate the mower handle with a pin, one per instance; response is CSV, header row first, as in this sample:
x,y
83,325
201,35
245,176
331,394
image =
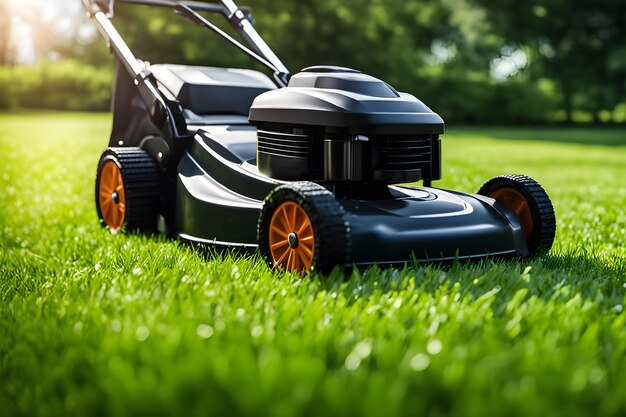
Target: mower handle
x,y
244,27
239,19
94,6
106,6
163,114
262,53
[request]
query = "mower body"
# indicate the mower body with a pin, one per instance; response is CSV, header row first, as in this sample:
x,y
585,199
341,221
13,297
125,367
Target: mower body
x,y
223,139
229,164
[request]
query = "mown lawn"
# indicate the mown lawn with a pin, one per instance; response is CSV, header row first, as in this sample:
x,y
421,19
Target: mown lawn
x,y
95,324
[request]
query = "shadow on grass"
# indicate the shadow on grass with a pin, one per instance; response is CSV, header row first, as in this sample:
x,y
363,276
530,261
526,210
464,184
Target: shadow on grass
x,y
606,136
559,277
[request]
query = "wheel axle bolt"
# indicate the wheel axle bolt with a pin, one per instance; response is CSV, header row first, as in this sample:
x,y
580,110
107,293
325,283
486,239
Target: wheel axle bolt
x,y
292,238
115,197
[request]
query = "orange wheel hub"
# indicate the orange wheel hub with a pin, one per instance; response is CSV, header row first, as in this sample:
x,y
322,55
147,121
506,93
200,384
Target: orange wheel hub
x,y
515,201
291,239
111,196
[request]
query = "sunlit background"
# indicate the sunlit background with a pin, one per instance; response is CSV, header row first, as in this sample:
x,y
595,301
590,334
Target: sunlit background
x,y
33,30
483,61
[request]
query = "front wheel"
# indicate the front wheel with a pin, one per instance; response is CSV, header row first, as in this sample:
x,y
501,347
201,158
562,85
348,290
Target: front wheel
x,y
530,203
302,226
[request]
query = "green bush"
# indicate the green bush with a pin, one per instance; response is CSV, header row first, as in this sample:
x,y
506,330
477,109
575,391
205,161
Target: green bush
x,y
458,96
472,98
520,101
7,88
65,85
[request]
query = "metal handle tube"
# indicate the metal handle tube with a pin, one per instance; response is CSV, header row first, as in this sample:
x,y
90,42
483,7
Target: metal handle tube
x,y
117,44
196,5
256,41
159,111
237,16
189,13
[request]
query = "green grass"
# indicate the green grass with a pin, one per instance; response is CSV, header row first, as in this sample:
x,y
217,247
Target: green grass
x,y
95,324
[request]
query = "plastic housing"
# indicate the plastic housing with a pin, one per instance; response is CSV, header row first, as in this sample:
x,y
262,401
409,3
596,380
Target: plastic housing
x,y
337,124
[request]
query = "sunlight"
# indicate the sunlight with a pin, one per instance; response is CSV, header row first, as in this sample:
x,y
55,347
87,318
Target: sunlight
x,y
45,8
34,23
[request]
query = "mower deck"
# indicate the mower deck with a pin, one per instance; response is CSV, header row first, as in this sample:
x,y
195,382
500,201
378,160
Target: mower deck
x,y
218,179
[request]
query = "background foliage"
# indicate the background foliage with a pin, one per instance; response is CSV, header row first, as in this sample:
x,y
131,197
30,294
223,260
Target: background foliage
x,y
481,61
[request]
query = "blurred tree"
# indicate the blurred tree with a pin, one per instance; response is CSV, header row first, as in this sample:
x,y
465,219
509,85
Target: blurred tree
x,y
580,44
6,24
439,50
470,60
390,39
47,40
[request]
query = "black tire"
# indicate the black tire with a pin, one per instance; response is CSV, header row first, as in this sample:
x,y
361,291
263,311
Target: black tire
x,y
330,227
540,234
140,182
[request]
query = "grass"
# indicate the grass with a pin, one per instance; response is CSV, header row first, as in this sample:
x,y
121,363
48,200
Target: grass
x,y
96,324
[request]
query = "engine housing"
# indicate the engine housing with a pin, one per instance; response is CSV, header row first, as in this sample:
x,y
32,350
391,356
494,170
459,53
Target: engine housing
x,y
337,124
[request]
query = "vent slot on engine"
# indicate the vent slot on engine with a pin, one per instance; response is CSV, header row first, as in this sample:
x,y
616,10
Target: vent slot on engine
x,y
405,158
284,144
289,152
295,153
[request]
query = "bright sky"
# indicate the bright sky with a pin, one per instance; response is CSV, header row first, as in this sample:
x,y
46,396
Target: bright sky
x,y
65,16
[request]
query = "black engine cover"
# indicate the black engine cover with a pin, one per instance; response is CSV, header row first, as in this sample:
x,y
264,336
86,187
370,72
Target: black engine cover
x,y
337,124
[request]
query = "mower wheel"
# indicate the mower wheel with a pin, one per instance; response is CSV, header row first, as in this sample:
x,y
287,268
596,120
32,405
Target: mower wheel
x,y
127,190
302,226
530,203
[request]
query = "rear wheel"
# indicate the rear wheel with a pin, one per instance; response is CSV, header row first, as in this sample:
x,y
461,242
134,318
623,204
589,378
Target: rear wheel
x,y
127,190
530,203
302,226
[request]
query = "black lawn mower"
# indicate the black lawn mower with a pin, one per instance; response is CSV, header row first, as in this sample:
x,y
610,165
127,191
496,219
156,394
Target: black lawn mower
x,y
301,167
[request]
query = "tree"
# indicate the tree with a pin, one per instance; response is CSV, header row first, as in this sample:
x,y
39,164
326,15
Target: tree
x,y
6,24
578,43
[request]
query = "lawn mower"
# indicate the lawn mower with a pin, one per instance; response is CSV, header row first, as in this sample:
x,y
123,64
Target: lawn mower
x,y
303,168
